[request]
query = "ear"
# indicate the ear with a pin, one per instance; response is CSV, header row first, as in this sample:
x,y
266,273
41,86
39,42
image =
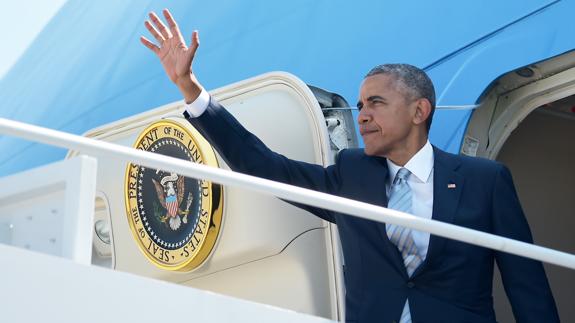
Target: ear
x,y
422,111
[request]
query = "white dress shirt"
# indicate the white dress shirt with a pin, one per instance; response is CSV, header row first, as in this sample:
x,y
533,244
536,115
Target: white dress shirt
x,y
421,183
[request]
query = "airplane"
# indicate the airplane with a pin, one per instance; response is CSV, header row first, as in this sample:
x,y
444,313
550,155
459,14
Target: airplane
x,y
503,72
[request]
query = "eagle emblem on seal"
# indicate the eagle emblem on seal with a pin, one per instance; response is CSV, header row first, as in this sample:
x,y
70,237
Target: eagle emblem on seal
x,y
170,191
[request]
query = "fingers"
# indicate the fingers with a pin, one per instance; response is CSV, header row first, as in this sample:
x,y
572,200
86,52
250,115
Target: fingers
x,y
150,45
157,28
172,23
160,26
154,32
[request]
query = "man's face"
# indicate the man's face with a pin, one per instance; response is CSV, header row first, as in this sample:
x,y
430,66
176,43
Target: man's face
x,y
385,116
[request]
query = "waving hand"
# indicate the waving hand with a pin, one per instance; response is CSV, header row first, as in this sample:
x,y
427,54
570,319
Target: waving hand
x,y
176,57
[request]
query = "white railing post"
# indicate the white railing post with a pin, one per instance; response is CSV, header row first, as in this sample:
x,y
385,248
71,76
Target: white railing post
x,y
53,213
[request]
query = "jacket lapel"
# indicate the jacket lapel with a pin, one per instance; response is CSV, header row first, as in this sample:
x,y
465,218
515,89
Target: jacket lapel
x,y
447,188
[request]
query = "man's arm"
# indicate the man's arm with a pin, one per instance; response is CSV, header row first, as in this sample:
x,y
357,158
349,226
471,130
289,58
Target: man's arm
x,y
241,150
246,153
524,279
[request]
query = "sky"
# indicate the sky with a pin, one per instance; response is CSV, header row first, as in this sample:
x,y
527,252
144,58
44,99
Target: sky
x,y
20,23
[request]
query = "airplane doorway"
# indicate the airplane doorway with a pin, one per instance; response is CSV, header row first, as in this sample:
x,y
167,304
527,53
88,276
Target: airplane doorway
x,y
541,156
526,120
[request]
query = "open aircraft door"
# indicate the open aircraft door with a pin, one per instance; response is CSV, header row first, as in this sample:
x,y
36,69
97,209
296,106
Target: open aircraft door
x,y
239,243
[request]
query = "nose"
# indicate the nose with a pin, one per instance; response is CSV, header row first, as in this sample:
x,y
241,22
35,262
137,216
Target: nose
x,y
362,117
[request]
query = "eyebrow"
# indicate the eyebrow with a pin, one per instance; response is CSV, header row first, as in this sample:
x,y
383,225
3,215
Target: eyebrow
x,y
375,97
370,99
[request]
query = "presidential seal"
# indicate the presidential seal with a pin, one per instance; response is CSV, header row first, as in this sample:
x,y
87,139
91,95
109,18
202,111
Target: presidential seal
x,y
174,219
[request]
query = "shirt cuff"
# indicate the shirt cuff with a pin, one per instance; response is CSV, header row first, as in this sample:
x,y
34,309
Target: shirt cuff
x,y
199,105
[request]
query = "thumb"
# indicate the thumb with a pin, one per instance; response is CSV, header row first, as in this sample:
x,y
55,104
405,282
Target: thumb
x,y
195,44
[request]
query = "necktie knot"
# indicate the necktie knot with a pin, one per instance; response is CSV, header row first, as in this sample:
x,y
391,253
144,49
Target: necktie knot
x,y
401,175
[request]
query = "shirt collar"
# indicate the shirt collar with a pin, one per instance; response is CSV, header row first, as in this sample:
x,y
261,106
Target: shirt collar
x,y
420,165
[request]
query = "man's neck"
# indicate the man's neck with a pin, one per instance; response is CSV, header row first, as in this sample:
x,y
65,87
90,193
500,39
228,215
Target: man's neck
x,y
402,156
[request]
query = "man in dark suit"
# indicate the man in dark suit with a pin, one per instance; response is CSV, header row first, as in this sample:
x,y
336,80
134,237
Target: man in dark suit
x,y
393,274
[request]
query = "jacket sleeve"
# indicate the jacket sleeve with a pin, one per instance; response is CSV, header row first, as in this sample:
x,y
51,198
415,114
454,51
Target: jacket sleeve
x,y
524,279
245,153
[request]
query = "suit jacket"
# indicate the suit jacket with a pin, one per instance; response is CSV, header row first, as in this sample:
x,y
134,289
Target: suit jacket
x,y
454,283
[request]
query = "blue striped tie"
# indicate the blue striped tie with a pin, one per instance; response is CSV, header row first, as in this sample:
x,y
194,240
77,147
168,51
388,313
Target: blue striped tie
x,y
400,199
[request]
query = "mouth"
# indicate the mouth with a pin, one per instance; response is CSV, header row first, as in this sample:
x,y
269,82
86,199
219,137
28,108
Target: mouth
x,y
365,132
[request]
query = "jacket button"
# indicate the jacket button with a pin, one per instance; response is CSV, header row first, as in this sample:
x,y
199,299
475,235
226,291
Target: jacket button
x,y
410,284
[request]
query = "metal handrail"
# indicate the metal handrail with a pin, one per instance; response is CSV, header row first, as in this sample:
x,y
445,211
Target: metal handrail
x,y
363,210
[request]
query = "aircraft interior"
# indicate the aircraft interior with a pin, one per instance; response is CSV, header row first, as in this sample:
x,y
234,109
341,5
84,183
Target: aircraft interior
x,y
526,120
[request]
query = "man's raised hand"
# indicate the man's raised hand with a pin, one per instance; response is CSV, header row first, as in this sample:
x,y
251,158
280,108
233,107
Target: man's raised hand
x,y
175,56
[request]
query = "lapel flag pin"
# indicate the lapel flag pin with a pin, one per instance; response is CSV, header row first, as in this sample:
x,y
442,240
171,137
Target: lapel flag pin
x,y
451,185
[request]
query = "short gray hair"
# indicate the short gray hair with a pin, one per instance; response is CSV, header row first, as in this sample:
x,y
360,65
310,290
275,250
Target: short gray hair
x,y
413,82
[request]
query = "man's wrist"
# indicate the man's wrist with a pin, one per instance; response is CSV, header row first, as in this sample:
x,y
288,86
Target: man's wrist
x,y
190,88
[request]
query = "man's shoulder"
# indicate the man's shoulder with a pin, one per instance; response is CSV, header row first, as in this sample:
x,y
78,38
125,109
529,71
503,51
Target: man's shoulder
x,y
468,163
356,155
351,153
354,162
